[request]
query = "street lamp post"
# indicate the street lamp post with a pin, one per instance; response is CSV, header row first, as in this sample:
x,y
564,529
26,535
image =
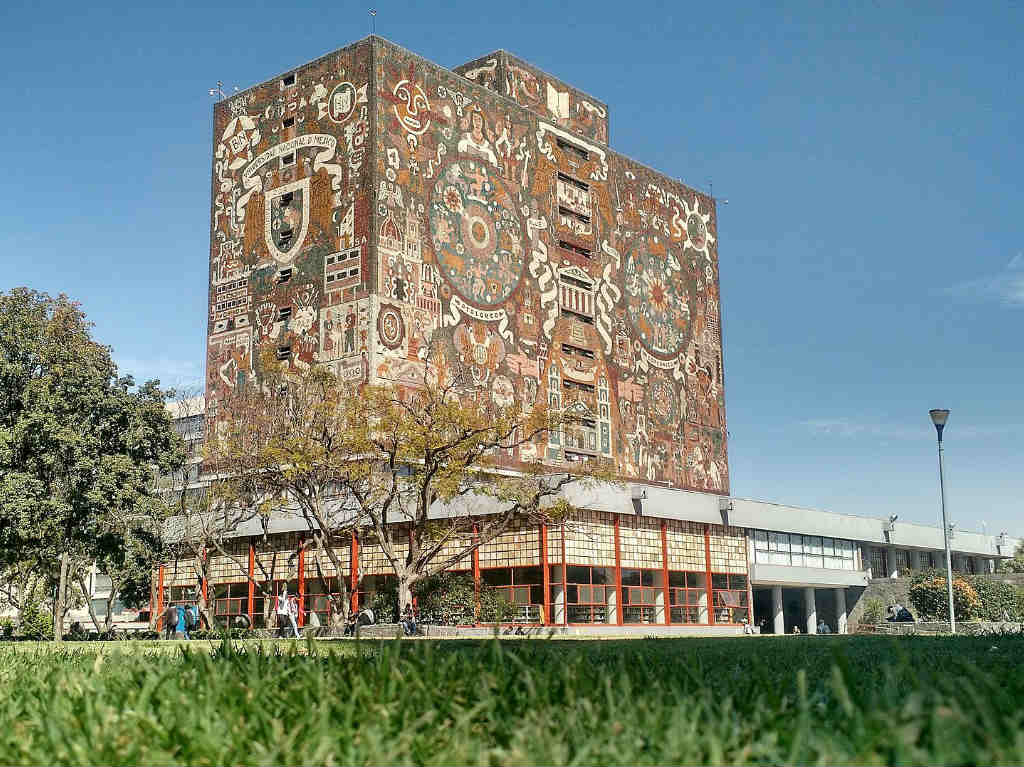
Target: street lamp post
x,y
939,418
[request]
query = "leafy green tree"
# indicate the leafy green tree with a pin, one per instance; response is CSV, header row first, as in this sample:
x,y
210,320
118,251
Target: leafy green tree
x,y
1015,564
78,442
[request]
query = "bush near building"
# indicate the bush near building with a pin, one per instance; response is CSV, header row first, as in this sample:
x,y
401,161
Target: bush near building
x,y
446,599
974,597
999,601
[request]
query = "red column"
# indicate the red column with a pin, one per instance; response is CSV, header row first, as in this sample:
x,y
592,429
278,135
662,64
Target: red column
x,y
565,583
205,583
252,575
545,574
354,572
707,572
618,576
476,575
302,584
664,572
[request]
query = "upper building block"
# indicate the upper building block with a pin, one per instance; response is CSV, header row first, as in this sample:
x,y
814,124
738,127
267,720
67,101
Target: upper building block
x,y
376,214
544,95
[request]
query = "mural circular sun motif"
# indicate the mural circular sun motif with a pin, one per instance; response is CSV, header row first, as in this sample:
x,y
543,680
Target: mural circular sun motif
x,y
477,231
657,298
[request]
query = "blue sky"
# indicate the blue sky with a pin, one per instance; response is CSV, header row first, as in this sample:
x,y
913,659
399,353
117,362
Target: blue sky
x,y
872,252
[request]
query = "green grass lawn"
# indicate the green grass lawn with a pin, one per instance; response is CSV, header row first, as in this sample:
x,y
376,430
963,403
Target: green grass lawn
x,y
659,701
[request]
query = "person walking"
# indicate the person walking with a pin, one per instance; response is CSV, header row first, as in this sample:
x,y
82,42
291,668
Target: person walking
x,y
293,614
281,612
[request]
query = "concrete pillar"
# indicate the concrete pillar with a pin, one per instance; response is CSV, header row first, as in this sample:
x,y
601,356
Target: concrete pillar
x,y
840,611
778,619
558,604
890,563
811,611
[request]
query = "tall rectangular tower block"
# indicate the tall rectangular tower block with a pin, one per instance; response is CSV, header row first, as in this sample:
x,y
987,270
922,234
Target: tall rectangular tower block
x,y
375,212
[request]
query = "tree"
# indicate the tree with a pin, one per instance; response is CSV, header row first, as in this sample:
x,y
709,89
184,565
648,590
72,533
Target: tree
x,y
198,528
1014,565
126,553
375,459
77,441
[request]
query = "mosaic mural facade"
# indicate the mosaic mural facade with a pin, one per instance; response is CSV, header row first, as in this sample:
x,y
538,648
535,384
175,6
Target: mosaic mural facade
x,y
373,210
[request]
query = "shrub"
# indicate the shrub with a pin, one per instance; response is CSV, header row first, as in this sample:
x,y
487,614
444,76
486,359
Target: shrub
x,y
36,622
998,599
874,611
450,600
6,628
929,597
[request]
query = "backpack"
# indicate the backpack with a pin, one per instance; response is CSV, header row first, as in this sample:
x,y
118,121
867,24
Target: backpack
x,y
191,620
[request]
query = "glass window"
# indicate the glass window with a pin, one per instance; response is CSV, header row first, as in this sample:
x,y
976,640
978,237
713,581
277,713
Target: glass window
x,y
522,587
687,597
729,597
643,596
231,599
590,594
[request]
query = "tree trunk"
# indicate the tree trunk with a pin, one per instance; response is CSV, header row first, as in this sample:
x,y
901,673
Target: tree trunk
x,y
60,603
108,619
405,583
88,603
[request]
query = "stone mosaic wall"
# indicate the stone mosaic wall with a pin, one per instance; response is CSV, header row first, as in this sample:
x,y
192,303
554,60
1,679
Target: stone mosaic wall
x,y
372,560
278,555
180,572
686,549
640,542
230,569
517,547
316,557
544,95
542,267
372,210
590,539
728,549
290,223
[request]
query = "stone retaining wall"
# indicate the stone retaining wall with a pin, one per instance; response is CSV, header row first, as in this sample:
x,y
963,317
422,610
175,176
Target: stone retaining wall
x,y
968,628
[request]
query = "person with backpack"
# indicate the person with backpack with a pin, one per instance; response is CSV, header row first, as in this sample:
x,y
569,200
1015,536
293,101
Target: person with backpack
x,y
191,620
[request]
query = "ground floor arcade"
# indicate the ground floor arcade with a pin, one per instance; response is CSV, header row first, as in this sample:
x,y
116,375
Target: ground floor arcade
x,y
596,569
781,609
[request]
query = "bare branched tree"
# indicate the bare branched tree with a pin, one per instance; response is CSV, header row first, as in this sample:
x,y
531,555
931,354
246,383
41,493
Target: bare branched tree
x,y
422,460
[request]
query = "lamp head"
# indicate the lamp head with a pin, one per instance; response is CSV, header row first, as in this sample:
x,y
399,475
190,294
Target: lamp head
x,y
939,418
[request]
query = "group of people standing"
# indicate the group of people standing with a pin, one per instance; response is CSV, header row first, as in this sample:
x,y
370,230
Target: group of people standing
x,y
180,620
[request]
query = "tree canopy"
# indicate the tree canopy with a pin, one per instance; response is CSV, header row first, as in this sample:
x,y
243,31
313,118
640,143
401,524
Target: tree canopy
x,y
78,443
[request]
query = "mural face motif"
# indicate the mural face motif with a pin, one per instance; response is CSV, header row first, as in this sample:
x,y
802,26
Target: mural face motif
x,y
412,108
477,232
